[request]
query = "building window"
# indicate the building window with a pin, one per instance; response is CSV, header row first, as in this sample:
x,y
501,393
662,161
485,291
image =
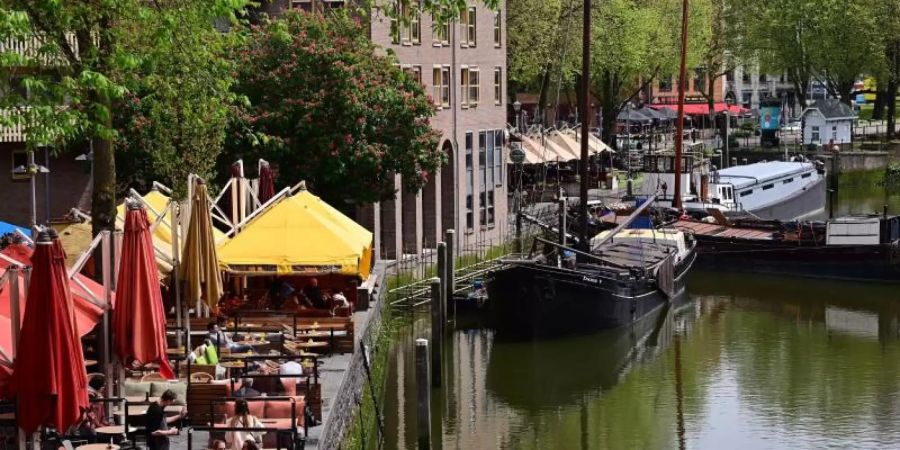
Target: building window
x,y
699,80
482,177
815,135
834,134
729,75
498,158
441,31
763,78
470,87
470,184
745,76
665,84
414,72
498,85
408,29
498,36
19,159
440,88
467,27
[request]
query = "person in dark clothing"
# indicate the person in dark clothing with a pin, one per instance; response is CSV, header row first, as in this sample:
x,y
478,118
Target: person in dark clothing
x,y
247,390
314,294
158,430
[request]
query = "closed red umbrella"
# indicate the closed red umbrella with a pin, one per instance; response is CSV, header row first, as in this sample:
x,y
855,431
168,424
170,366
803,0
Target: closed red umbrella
x,y
266,182
49,379
139,323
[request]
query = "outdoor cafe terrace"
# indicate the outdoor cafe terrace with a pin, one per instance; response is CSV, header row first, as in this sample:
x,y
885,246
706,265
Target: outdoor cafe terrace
x,y
205,304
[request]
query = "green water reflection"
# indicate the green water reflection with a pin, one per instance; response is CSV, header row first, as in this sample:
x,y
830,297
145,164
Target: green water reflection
x,y
770,363
745,361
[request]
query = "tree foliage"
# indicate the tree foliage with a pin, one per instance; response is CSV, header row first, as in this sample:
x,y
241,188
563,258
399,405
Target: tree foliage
x,y
325,107
84,57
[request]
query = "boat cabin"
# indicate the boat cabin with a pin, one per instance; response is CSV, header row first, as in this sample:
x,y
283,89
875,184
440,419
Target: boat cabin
x,y
754,186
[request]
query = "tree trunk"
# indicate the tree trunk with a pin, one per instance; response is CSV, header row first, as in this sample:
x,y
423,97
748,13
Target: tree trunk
x,y
878,106
891,101
542,100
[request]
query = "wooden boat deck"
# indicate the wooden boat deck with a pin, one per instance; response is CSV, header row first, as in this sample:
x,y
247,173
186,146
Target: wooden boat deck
x,y
712,229
630,254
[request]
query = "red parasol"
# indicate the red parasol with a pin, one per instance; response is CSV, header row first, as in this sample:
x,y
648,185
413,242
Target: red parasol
x,y
49,375
266,182
139,323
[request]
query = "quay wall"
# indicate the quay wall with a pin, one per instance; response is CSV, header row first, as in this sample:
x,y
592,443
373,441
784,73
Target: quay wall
x,y
850,161
340,417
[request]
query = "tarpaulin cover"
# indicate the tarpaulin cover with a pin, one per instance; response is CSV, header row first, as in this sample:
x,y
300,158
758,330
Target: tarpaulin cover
x,y
300,234
49,379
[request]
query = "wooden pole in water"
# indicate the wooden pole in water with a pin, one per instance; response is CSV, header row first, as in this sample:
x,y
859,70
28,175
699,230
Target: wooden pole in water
x,y
423,396
679,126
437,331
450,287
443,276
585,124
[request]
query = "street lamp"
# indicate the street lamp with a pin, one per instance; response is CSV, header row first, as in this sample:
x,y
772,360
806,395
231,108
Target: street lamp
x,y
729,100
517,156
31,170
517,107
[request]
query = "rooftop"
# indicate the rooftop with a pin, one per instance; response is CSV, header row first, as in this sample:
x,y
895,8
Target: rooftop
x,y
832,109
746,175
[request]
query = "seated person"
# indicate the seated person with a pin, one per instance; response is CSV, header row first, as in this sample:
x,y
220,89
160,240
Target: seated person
x,y
340,301
290,368
314,294
222,340
238,440
250,445
246,389
296,303
218,444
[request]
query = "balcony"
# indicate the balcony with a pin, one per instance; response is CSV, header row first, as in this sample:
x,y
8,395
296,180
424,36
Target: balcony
x,y
33,49
14,133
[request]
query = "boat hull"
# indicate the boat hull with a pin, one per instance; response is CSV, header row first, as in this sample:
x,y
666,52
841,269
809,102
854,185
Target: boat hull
x,y
806,203
533,299
846,262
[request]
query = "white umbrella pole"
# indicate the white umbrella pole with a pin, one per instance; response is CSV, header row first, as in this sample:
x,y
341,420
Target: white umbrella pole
x,y
107,268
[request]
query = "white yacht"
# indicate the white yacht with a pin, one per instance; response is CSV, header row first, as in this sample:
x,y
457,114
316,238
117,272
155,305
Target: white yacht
x,y
769,190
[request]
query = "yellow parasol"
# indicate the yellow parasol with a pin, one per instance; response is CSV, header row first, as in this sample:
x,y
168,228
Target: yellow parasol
x,y
199,264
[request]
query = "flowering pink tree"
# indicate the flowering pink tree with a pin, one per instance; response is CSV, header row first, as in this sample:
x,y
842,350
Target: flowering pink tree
x,y
327,107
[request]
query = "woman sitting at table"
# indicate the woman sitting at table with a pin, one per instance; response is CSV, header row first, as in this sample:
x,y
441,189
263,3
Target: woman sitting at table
x,y
222,340
242,419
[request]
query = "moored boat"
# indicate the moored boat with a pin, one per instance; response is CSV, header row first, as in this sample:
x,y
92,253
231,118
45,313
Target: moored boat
x,y
627,275
862,248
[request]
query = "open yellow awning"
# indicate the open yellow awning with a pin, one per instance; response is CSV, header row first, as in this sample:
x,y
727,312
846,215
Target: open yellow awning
x,y
299,235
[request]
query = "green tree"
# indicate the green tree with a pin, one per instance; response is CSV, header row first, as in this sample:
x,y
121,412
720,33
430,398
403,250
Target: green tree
x,y
78,68
325,107
888,65
173,120
846,44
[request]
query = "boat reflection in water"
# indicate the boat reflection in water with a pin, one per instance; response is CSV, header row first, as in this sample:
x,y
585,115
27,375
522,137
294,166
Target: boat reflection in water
x,y
531,377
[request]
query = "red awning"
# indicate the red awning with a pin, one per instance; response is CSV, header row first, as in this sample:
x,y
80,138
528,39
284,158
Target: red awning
x,y
85,292
702,109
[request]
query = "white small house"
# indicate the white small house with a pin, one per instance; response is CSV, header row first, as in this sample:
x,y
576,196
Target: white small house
x,y
828,121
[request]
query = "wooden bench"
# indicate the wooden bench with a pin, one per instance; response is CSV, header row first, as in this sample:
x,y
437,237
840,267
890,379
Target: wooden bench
x,y
200,397
343,341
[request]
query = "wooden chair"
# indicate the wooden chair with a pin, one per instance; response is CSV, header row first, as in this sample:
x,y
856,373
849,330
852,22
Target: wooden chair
x,y
155,376
201,377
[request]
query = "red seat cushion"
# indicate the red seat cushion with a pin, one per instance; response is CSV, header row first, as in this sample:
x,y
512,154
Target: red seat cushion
x,y
281,409
257,408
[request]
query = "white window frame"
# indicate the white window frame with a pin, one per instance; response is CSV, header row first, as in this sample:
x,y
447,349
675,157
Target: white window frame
x,y
464,86
468,32
474,86
498,85
498,29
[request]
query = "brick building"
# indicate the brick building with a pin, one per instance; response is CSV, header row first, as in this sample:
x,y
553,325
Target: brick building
x,y
462,64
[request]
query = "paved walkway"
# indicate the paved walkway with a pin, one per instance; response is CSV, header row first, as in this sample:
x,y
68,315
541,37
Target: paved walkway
x,y
332,370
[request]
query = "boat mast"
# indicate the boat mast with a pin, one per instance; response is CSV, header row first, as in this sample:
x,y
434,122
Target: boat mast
x,y
679,126
585,125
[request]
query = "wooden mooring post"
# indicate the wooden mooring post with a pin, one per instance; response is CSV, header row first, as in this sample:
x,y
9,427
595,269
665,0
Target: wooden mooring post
x,y
423,396
437,331
450,286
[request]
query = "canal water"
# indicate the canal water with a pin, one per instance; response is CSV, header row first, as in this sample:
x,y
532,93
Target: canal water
x,y
744,361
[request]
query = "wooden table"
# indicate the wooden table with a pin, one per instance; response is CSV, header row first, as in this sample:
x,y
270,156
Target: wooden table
x,y
97,447
175,351
252,343
310,344
321,326
141,398
113,429
233,364
89,363
313,334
